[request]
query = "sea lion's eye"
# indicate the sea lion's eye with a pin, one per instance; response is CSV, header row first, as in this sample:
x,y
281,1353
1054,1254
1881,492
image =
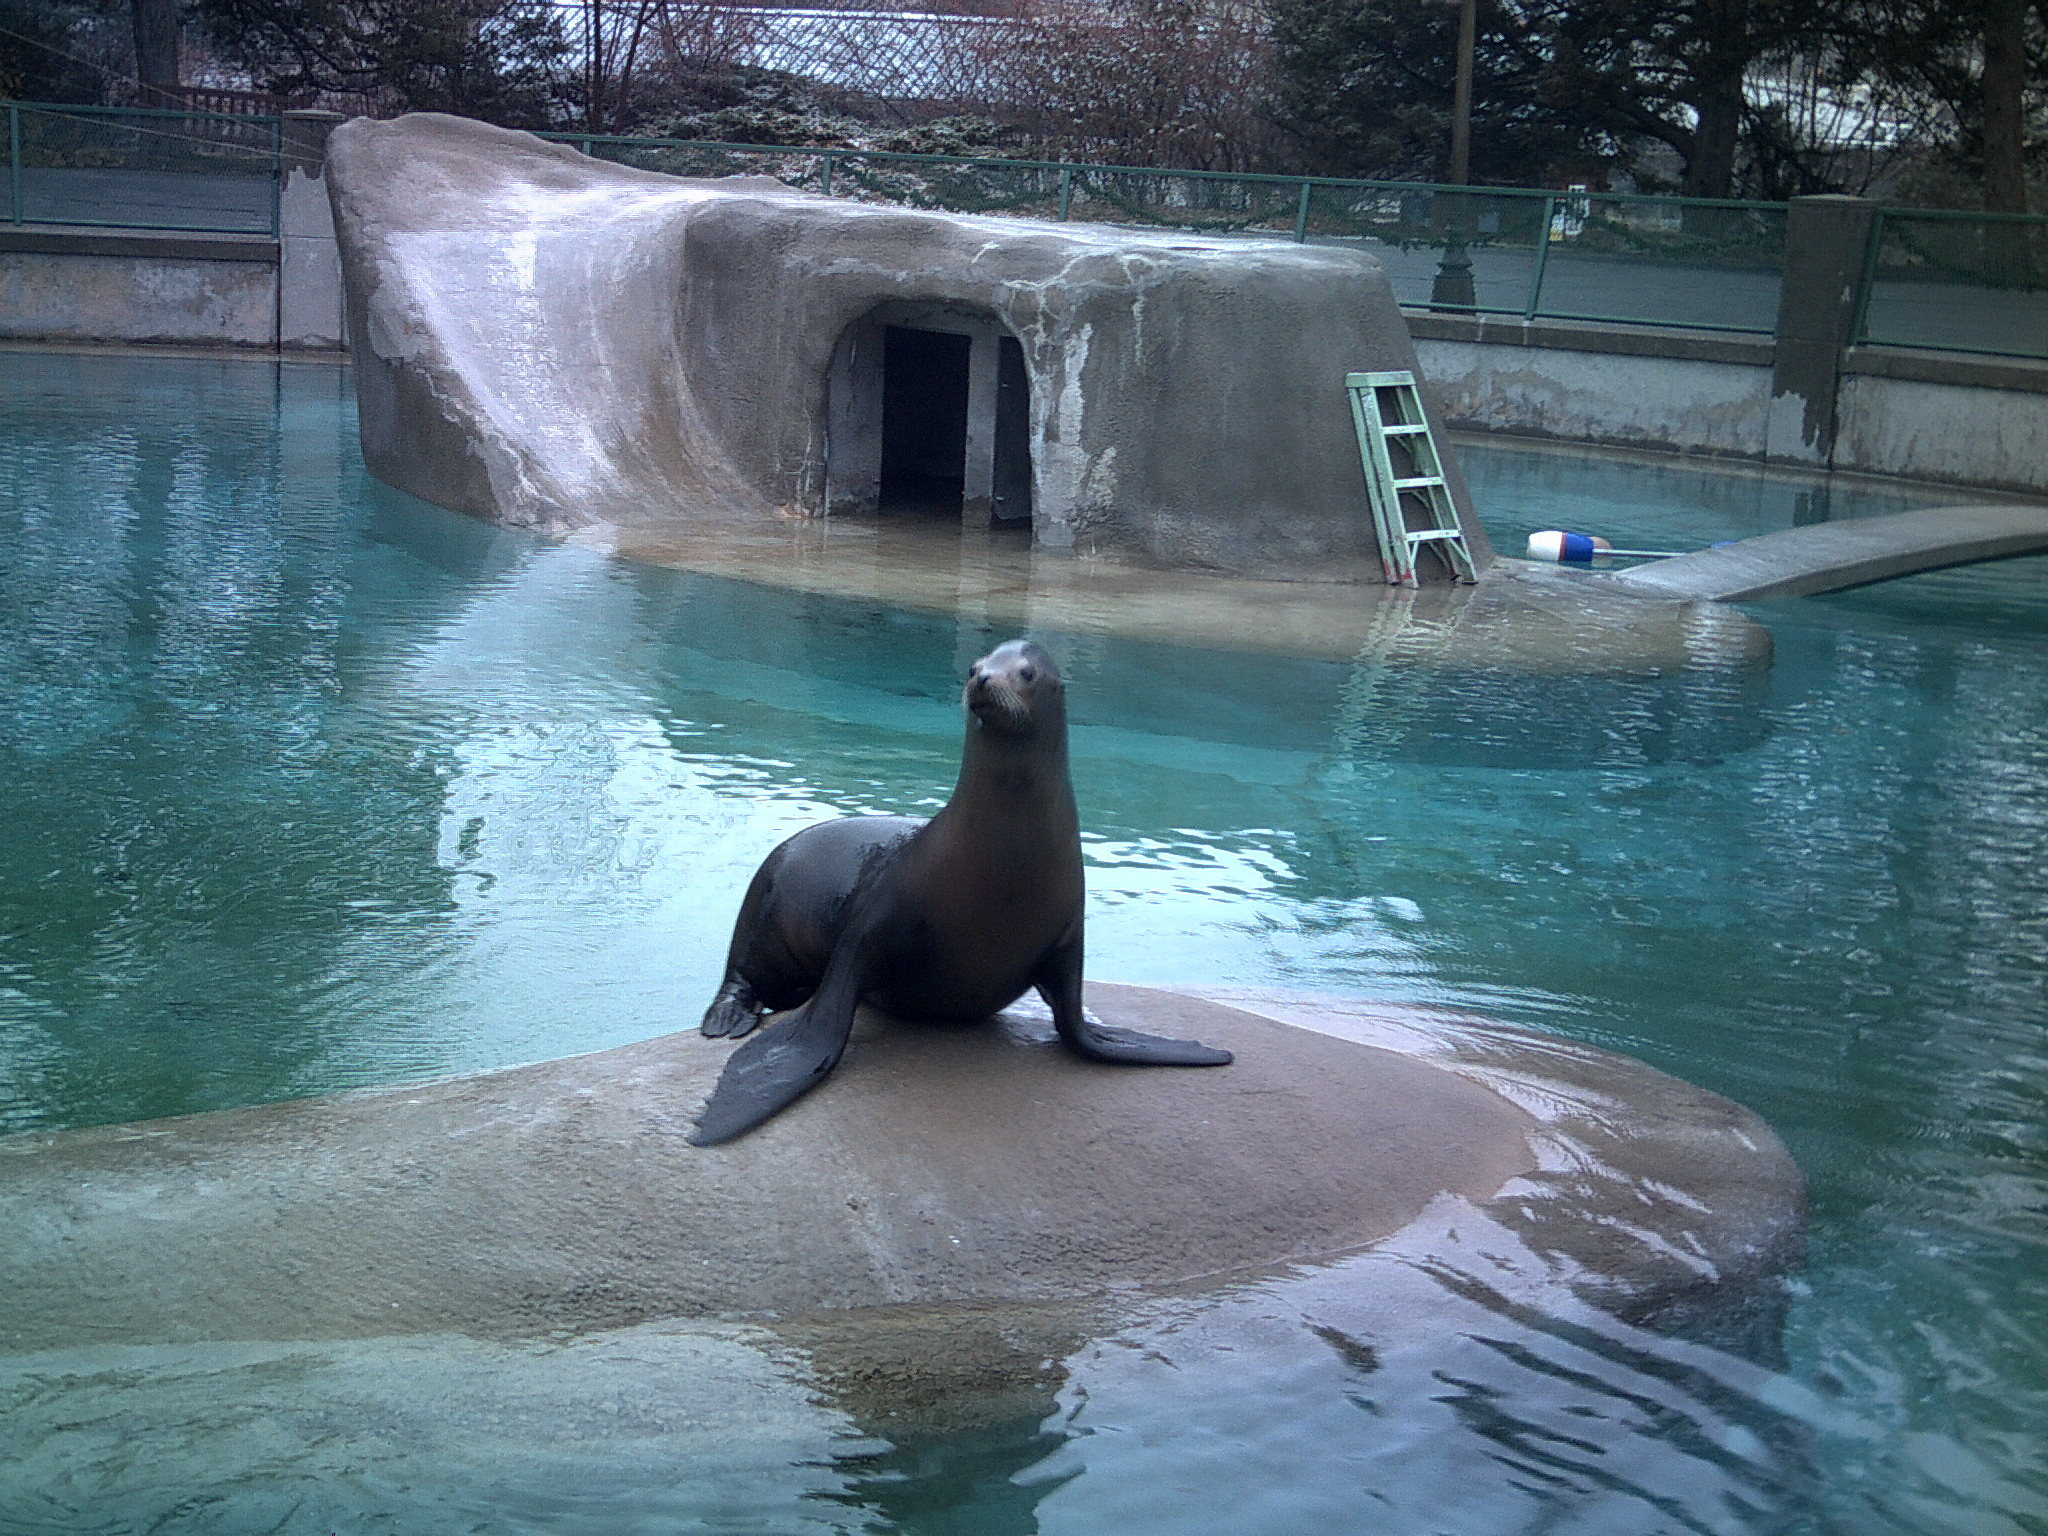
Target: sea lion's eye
x,y
1027,673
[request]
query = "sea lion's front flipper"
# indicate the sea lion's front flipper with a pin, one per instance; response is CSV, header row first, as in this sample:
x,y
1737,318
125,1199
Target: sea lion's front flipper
x,y
1059,983
784,1061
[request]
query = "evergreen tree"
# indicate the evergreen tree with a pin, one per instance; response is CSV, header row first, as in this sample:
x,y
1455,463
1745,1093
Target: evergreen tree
x,y
1366,89
501,60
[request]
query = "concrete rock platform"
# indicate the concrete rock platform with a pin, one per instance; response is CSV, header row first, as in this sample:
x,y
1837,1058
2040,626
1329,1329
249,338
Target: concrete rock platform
x,y
1833,556
939,1174
559,342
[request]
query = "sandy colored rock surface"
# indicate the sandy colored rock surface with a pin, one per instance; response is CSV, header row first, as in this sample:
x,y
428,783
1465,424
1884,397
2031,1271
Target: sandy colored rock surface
x,y
936,1166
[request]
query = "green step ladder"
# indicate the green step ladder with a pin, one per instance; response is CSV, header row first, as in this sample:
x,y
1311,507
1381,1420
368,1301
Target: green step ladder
x,y
1411,503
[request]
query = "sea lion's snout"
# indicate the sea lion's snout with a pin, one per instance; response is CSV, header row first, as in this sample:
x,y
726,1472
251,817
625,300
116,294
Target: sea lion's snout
x,y
1004,687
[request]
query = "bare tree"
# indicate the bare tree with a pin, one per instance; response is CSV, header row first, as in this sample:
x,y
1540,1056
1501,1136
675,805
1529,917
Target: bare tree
x,y
1183,83
642,54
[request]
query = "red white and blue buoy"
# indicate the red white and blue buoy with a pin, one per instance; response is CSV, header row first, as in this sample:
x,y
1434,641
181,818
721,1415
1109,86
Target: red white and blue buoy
x,y
1561,547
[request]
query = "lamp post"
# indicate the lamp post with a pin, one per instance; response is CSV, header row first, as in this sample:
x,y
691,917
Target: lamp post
x,y
1453,286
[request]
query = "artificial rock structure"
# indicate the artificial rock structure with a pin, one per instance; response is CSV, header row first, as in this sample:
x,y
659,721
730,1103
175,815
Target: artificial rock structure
x,y
559,342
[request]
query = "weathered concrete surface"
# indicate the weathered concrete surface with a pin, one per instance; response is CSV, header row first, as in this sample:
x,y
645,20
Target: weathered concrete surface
x,y
1525,619
404,1306
558,342
1943,417
309,304
1639,387
1973,421
1826,557
66,285
1826,240
1662,1204
938,1167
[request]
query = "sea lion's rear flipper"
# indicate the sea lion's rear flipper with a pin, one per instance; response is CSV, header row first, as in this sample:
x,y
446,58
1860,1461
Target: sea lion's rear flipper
x,y
1059,984
787,1059
735,1011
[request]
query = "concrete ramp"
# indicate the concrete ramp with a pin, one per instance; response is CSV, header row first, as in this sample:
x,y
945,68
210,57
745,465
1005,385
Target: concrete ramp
x,y
1826,557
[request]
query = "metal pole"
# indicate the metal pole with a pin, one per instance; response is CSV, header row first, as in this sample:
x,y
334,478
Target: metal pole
x,y
1859,324
825,184
1301,215
1461,93
1066,190
277,187
1453,288
1542,257
14,160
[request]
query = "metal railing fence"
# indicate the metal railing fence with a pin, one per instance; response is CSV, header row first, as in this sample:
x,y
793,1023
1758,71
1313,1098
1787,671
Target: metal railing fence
x,y
1531,253
142,168
1956,282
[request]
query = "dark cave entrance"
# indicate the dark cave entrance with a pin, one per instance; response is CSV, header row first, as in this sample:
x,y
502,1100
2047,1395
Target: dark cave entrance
x,y
924,421
929,415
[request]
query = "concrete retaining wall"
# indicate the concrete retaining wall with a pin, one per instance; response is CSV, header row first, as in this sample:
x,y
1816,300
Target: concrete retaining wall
x,y
1636,388
198,290
1928,415
1936,417
61,283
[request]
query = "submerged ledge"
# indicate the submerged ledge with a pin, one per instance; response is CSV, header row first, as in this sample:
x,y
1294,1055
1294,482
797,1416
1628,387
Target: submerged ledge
x,y
1521,618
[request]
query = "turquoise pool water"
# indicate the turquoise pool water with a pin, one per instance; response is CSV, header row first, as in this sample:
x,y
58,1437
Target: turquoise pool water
x,y
308,786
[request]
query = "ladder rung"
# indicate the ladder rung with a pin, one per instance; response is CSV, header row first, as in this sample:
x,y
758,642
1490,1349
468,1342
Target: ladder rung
x,y
1417,535
1404,430
1420,482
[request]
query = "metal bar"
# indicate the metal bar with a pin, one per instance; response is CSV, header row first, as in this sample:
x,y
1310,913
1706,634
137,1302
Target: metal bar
x,y
1953,215
1066,191
1542,257
1301,215
80,109
1859,325
825,180
162,229
1267,178
1947,346
277,186
14,160
1676,325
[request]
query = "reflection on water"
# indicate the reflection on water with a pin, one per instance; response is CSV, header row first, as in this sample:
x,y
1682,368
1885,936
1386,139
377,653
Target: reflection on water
x,y
1432,1387
308,786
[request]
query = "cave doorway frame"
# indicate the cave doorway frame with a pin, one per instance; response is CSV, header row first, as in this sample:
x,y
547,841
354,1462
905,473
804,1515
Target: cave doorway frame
x,y
999,470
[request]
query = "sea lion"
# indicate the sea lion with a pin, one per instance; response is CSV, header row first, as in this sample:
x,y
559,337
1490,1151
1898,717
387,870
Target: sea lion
x,y
951,919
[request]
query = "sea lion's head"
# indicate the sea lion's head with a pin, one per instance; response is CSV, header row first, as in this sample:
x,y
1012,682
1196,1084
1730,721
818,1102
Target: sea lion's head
x,y
1015,690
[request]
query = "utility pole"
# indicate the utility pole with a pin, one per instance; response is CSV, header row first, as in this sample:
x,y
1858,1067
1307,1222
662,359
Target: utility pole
x,y
1453,286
